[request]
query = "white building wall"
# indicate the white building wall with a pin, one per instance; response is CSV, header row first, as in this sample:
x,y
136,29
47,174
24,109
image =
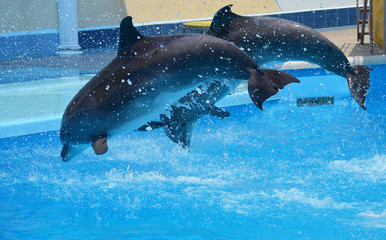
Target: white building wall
x,y
300,5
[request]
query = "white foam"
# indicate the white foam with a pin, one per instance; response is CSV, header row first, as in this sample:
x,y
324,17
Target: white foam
x,y
373,169
373,219
119,178
371,214
298,196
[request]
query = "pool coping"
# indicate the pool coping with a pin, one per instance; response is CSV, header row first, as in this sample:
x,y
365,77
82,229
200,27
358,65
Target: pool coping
x,y
48,123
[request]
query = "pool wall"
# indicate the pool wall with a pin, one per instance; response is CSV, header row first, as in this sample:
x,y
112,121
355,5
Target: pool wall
x,y
39,43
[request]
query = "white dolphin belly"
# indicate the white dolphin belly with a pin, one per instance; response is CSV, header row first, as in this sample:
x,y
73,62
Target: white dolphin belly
x,y
151,111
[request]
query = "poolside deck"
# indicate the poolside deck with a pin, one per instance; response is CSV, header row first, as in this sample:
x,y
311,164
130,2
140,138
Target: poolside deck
x,y
344,38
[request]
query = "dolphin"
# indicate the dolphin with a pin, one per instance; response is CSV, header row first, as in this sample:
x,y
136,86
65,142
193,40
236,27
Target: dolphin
x,y
273,39
265,39
149,73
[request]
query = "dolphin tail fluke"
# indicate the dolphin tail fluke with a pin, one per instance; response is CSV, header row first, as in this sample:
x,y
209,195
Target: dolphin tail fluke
x,y
359,83
265,83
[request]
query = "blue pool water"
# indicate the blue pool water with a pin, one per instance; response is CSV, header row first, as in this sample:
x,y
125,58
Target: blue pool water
x,y
287,172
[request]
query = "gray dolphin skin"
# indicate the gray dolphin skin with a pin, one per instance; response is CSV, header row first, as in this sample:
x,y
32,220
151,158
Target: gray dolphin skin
x,y
265,39
148,74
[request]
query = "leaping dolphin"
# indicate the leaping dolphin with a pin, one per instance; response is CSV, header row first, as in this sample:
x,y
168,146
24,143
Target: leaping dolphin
x,y
271,39
149,73
265,39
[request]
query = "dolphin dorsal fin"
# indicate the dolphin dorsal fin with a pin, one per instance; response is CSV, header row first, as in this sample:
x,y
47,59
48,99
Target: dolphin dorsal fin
x,y
221,20
128,35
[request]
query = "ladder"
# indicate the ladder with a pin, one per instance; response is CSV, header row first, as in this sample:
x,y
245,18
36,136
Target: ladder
x,y
361,22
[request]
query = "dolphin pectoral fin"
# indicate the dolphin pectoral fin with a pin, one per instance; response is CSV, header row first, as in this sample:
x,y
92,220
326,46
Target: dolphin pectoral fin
x,y
359,83
265,83
150,126
217,112
99,145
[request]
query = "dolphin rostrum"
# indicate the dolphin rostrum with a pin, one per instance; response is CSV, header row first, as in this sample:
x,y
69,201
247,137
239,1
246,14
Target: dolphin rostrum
x,y
265,39
149,73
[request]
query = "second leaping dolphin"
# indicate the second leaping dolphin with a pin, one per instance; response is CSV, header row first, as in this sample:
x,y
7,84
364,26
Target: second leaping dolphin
x,y
268,39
